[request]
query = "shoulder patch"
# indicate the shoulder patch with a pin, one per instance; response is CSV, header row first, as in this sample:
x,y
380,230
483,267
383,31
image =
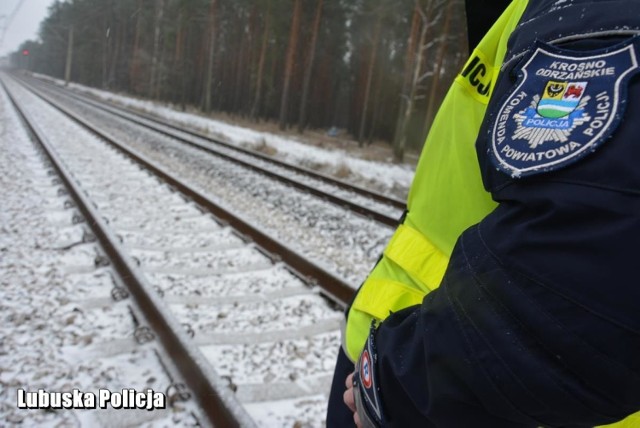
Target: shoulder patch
x,y
566,104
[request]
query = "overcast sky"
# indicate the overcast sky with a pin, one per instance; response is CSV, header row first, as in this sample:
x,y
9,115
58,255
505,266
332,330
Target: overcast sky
x,y
25,23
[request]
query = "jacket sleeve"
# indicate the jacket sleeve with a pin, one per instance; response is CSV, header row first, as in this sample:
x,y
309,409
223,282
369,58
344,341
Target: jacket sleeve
x,y
486,350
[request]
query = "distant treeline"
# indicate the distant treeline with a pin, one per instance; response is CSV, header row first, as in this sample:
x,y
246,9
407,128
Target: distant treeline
x,y
377,68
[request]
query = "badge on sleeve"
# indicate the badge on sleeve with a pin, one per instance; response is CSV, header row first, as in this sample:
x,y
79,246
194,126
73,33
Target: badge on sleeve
x,y
365,380
566,104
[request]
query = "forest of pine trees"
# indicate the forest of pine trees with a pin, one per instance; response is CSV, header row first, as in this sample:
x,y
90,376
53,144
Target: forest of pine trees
x,y
375,68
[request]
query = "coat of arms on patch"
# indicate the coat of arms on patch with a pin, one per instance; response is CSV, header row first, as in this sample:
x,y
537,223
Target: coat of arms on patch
x,y
566,104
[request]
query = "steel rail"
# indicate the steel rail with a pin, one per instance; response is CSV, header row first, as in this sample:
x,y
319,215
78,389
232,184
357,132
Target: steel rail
x,y
127,114
335,288
220,407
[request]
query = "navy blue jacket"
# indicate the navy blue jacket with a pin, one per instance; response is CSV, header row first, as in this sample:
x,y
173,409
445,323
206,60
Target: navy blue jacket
x,y
537,320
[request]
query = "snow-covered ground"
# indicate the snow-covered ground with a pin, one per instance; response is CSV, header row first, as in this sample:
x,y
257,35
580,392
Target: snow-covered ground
x,y
41,321
390,178
60,330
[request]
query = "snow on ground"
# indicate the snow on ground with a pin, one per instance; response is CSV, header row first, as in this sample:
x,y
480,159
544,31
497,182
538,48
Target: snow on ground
x,y
60,330
43,330
389,177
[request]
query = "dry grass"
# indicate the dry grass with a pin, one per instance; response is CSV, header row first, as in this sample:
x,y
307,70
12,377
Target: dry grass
x,y
343,171
313,164
378,150
265,148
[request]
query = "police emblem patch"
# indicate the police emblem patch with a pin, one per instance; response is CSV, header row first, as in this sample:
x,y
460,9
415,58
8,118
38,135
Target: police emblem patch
x,y
365,370
566,104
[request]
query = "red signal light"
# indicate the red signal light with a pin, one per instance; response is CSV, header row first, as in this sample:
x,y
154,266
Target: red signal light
x,y
25,52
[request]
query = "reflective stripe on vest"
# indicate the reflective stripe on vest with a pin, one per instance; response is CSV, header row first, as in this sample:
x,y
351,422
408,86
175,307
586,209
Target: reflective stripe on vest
x,y
414,253
424,264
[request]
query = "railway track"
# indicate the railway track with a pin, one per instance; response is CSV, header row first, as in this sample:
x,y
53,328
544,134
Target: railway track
x,y
67,322
263,331
381,208
339,239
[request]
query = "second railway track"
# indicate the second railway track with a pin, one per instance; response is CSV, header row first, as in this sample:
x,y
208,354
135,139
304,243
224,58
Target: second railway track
x,y
381,208
269,335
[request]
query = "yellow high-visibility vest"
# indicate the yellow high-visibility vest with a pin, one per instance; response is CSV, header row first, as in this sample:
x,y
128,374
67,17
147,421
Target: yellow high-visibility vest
x,y
446,196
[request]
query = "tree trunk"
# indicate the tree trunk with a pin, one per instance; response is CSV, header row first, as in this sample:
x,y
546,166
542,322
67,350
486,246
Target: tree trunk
x,y
106,53
134,68
111,78
435,81
178,60
402,133
257,100
239,73
210,56
376,110
367,90
406,101
156,47
302,120
160,73
290,63
67,68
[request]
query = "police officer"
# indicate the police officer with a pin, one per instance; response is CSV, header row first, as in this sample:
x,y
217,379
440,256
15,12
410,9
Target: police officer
x,y
509,295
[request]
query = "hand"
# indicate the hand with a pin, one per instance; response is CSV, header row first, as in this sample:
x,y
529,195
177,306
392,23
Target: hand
x,y
349,399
